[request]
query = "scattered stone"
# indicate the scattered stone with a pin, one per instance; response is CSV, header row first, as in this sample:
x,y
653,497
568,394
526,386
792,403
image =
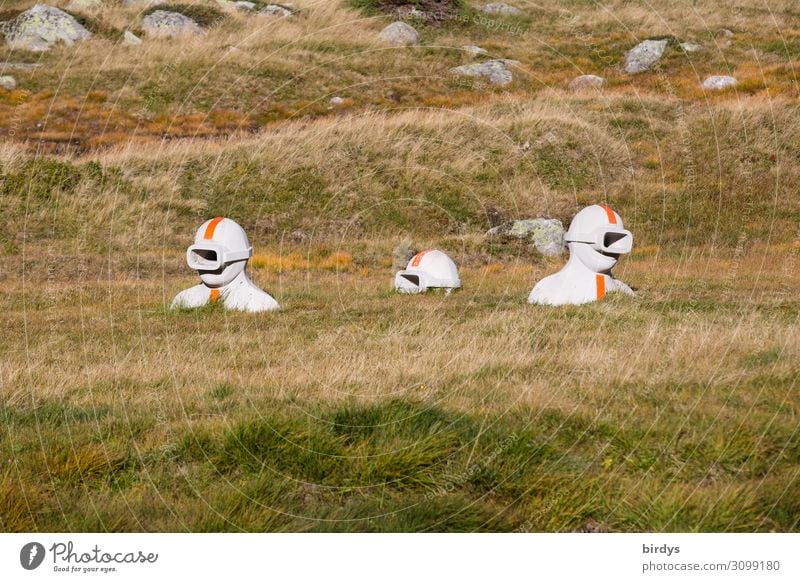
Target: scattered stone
x,y
20,66
140,3
474,50
8,82
276,10
586,82
717,82
299,235
40,27
726,36
165,24
400,34
336,101
644,55
691,47
500,8
83,4
545,234
495,71
244,6
130,39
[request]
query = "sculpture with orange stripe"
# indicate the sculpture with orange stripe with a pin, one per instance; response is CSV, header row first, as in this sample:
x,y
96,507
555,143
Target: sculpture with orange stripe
x,y
596,239
219,254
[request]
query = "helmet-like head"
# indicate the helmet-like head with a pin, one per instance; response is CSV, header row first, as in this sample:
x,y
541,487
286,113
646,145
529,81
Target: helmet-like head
x,y
426,270
220,251
597,239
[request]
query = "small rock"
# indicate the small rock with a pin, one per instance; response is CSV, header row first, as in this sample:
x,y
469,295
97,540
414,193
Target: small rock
x,y
474,50
299,235
546,234
83,4
586,82
20,66
726,36
494,71
691,47
644,55
400,34
130,39
8,82
336,101
716,82
500,8
165,24
276,10
244,6
40,27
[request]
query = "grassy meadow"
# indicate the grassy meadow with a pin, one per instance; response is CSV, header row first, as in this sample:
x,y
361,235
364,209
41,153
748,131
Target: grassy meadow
x,y
354,408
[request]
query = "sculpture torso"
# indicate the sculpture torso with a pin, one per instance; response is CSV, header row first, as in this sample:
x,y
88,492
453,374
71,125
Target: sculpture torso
x,y
240,294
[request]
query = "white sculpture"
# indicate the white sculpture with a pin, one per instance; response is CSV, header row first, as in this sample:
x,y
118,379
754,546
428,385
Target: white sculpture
x,y
428,270
219,254
595,239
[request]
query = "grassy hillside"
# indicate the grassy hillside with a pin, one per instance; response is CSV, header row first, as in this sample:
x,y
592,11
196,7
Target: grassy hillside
x,y
355,409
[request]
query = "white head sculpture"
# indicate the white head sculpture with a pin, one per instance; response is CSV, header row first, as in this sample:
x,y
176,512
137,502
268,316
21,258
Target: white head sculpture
x,y
428,270
596,238
219,255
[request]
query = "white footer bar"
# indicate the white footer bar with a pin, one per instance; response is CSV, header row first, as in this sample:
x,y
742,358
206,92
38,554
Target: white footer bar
x,y
401,557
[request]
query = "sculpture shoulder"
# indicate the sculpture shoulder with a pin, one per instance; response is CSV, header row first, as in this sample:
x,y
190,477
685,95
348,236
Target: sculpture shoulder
x,y
196,296
250,298
565,288
545,291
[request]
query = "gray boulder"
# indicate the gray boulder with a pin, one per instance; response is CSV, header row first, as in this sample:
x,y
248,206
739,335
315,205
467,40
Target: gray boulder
x,y
585,82
644,55
402,254
8,82
545,234
495,71
400,34
276,10
42,26
244,6
717,82
164,24
500,8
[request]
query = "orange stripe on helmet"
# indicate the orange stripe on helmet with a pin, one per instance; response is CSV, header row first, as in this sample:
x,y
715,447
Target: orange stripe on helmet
x,y
600,283
612,218
212,226
214,295
417,258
